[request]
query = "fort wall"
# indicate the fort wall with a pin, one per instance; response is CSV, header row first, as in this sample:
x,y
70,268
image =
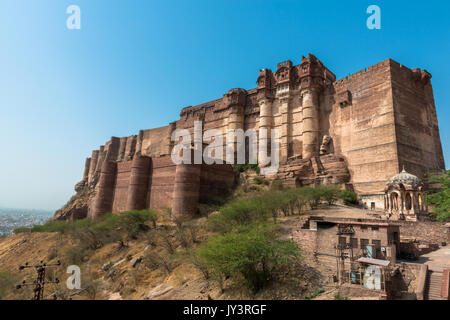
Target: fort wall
x,y
363,127
374,121
146,182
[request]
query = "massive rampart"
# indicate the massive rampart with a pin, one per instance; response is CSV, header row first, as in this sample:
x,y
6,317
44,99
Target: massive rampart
x,y
374,121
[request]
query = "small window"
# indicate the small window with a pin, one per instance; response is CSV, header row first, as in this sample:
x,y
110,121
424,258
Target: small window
x,y
342,241
377,243
372,206
354,243
375,228
363,227
364,243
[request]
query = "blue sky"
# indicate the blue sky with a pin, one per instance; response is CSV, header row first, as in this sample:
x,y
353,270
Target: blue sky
x,y
135,64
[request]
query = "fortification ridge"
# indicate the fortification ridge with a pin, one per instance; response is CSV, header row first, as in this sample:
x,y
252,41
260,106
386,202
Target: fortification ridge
x,y
360,127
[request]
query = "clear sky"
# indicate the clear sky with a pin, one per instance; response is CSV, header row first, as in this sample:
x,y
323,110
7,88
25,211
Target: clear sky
x,y
134,64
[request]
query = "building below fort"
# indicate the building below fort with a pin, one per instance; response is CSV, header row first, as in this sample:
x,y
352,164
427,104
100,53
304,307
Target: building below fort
x,y
356,132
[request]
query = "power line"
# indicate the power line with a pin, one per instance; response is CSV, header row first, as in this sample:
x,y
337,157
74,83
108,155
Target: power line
x,y
40,282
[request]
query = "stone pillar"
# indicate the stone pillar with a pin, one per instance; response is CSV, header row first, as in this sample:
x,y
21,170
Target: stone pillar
x,y
236,118
105,190
112,153
122,146
167,148
138,187
93,165
186,190
139,140
310,111
87,165
285,128
265,122
235,122
130,148
101,159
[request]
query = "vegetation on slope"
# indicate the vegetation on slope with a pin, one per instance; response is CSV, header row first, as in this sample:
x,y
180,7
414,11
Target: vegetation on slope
x,y
441,199
236,250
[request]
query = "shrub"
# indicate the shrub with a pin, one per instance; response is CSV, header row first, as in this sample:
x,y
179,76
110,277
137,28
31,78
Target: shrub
x,y
339,297
258,180
312,196
61,226
349,197
21,230
330,194
248,166
277,185
252,253
160,261
238,212
132,222
75,255
441,198
167,242
194,258
182,235
314,294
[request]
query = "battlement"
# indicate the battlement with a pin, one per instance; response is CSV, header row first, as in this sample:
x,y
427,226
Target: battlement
x,y
284,64
341,83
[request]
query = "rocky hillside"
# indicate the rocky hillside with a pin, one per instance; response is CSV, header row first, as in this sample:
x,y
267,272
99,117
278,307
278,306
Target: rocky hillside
x,y
148,255
143,268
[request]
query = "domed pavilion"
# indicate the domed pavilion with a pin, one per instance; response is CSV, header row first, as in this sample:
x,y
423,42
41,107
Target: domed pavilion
x,y
404,197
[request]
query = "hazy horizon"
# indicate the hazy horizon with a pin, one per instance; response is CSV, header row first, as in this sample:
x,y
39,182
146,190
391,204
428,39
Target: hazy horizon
x,y
134,66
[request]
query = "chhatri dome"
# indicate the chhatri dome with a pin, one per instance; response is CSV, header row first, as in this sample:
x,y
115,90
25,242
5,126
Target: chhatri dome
x,y
405,178
404,197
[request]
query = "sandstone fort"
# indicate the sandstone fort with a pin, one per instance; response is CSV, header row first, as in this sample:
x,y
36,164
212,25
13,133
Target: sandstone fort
x,y
356,132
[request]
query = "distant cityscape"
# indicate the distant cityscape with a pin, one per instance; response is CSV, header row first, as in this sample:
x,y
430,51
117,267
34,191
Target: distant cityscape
x,y
11,219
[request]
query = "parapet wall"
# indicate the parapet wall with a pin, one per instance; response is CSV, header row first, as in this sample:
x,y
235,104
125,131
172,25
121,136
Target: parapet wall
x,y
425,231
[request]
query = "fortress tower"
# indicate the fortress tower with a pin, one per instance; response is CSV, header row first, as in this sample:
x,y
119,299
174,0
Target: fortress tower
x,y
358,131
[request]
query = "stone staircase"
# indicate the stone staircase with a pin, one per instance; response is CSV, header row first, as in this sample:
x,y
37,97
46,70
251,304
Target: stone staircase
x,y
433,286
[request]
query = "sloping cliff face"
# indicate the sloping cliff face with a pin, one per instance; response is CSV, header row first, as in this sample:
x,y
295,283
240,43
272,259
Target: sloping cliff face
x,y
76,207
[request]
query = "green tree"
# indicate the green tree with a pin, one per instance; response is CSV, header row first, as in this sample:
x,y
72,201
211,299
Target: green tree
x,y
440,200
330,194
349,197
253,253
312,196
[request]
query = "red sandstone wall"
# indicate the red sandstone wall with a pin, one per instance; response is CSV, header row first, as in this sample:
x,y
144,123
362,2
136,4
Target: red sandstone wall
x,y
121,187
388,121
364,130
155,141
215,180
151,183
161,183
417,133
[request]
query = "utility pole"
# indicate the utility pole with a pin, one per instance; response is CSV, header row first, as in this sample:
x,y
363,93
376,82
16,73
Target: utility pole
x,y
40,282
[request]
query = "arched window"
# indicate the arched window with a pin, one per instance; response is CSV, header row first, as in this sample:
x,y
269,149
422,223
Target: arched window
x,y
408,201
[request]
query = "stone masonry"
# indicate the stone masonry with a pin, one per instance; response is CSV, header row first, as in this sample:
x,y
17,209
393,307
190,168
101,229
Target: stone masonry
x,y
364,128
